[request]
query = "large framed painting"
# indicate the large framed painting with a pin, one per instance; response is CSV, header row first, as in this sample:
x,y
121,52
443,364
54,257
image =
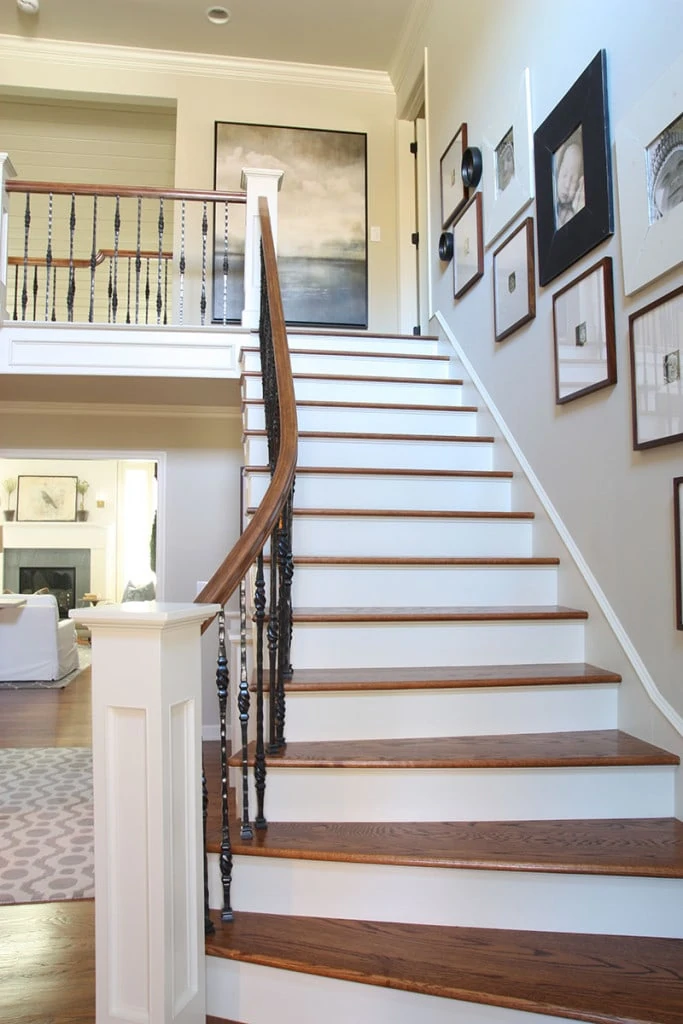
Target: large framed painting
x,y
574,209
322,221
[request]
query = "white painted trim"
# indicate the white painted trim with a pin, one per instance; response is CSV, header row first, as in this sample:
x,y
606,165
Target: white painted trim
x,y
90,409
133,59
620,633
404,52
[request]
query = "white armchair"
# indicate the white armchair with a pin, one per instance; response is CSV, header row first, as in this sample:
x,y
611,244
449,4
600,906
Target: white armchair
x,y
34,643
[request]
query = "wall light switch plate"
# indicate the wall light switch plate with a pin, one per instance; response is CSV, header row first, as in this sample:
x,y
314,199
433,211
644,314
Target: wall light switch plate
x,y
375,234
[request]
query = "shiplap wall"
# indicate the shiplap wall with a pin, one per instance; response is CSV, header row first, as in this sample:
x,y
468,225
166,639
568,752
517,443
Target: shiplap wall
x,y
91,143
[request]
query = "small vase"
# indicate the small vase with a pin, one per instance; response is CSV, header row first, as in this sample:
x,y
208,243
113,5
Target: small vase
x,y
82,515
9,514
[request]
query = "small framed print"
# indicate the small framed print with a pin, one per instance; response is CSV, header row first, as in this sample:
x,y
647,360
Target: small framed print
x,y
454,192
508,164
514,281
678,548
583,329
468,247
656,339
42,499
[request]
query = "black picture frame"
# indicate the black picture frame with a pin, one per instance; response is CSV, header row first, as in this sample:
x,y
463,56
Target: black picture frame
x,y
584,334
580,229
514,274
656,342
454,190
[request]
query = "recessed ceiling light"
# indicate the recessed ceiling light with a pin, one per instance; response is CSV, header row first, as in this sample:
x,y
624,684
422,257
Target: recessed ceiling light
x,y
218,15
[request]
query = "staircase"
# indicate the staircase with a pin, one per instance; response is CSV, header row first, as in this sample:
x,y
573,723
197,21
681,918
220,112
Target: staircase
x,y
458,830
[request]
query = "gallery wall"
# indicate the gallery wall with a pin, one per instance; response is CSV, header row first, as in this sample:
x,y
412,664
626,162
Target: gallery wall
x,y
616,502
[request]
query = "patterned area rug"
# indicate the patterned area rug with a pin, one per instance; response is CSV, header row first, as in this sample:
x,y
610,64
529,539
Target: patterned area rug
x,y
84,661
46,824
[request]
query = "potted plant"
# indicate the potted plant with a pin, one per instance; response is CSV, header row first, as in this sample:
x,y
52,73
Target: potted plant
x,y
10,486
82,513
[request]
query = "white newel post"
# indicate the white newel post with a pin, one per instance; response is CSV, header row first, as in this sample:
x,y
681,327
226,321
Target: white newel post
x,y
6,171
149,884
257,183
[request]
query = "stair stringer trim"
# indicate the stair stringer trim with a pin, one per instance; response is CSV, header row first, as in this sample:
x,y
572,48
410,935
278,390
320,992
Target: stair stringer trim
x,y
620,634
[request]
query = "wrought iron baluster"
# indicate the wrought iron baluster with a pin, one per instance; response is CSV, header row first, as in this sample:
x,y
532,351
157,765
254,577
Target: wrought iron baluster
x,y
27,231
205,229
54,295
225,265
285,567
181,266
48,255
93,261
71,287
246,831
222,685
147,290
128,294
15,311
110,289
138,262
115,283
161,253
35,291
274,730
209,927
260,759
165,292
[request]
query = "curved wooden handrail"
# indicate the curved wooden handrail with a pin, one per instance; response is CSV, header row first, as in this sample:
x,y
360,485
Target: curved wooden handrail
x,y
61,188
235,566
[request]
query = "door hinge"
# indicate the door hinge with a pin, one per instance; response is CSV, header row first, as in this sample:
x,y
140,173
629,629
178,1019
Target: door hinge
x,y
413,148
415,238
417,330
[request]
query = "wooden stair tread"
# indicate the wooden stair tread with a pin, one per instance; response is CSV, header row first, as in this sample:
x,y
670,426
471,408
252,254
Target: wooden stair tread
x,y
447,677
369,378
502,613
649,847
347,435
310,332
487,474
640,980
345,352
600,747
386,406
406,513
418,560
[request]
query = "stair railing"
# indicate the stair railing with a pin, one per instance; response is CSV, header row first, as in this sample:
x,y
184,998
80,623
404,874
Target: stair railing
x,y
270,525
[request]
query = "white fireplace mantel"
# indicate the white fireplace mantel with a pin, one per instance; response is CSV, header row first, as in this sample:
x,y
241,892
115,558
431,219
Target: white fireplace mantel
x,y
100,540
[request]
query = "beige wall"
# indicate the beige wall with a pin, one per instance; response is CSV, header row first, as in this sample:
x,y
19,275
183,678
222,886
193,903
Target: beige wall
x,y
206,91
616,503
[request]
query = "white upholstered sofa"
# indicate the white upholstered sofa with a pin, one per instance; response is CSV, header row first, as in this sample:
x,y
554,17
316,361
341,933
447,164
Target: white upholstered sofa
x,y
34,643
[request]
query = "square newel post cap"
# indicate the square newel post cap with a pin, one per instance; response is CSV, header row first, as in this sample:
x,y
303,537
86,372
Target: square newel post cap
x,y
6,167
264,176
153,615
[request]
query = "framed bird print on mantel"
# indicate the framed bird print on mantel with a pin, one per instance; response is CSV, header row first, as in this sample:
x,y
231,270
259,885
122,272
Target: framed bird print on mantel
x,y
45,499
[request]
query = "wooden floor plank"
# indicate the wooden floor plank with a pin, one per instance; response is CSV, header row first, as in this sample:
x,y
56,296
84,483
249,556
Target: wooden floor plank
x,y
605,747
47,718
603,979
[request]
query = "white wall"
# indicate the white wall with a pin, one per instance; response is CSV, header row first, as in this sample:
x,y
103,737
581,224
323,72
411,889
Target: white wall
x,y
616,503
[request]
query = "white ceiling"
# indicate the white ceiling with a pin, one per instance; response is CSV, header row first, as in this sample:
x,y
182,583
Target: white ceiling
x,y
354,34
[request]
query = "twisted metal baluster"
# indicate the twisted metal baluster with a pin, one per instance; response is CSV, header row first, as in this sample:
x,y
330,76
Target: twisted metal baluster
x,y
209,927
273,638
15,311
115,289
246,831
181,266
138,262
260,759
128,294
147,290
35,291
110,289
202,301
222,684
27,230
225,265
54,295
71,286
93,261
161,251
285,567
48,256
165,292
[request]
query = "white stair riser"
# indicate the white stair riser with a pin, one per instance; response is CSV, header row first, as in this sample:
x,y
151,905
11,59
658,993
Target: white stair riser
x,y
415,536
257,994
340,586
351,343
486,794
396,454
380,421
359,366
473,712
455,897
378,644
348,490
350,390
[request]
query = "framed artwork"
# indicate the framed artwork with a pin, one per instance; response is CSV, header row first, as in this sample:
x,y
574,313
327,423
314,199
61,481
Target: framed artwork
x,y
508,164
454,192
468,247
656,339
42,499
678,548
649,150
322,221
514,281
574,209
583,329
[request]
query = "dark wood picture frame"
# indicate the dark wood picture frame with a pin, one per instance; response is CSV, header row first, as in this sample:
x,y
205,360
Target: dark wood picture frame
x,y
583,318
656,349
583,107
678,548
46,499
514,264
454,191
468,231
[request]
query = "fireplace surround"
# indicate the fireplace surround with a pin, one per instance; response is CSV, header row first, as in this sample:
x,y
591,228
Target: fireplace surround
x,y
23,564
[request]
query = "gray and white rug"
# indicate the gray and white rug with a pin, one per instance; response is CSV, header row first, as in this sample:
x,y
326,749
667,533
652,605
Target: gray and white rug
x,y
46,824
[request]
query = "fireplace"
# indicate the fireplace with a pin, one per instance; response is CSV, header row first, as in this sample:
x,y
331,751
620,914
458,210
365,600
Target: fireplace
x,y
64,571
60,582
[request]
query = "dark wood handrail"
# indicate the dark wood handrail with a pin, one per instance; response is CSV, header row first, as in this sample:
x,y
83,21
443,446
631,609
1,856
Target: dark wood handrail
x,y
61,188
82,264
234,568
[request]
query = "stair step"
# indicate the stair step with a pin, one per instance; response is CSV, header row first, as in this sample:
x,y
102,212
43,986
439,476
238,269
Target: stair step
x,y
351,342
364,389
455,614
389,419
601,978
363,363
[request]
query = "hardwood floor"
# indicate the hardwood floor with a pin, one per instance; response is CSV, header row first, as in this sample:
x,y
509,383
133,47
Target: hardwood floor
x,y
47,718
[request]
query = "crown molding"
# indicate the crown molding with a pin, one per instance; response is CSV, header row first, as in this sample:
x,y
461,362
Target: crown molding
x,y
90,409
411,39
167,62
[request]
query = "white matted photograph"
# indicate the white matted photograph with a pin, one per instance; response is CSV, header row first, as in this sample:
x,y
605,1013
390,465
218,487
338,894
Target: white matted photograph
x,y
514,281
583,328
454,192
468,247
508,164
649,151
656,337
